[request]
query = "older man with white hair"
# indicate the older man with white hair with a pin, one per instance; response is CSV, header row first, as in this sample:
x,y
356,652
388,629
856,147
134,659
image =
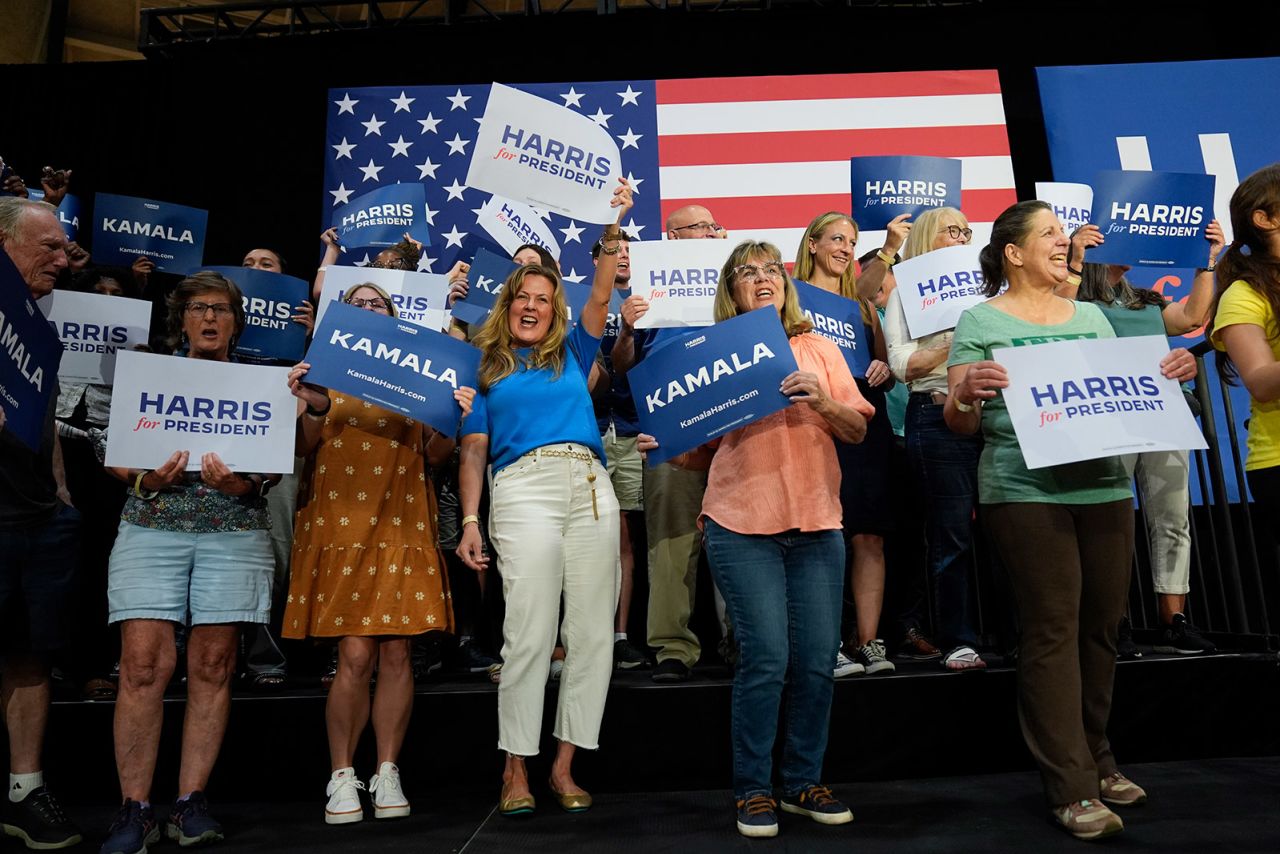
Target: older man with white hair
x,y
38,542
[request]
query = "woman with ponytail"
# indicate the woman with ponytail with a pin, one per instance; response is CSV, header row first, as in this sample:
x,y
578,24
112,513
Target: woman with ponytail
x,y
1244,326
1064,533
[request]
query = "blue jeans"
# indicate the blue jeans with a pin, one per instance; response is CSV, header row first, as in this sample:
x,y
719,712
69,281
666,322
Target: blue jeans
x,y
946,467
783,593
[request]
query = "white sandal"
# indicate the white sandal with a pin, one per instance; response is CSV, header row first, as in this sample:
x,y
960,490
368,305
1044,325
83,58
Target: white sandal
x,y
963,658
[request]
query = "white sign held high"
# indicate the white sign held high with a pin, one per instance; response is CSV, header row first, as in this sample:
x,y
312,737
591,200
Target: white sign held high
x,y
546,155
1072,203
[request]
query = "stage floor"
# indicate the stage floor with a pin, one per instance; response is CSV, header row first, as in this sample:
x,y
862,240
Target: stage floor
x,y
1219,805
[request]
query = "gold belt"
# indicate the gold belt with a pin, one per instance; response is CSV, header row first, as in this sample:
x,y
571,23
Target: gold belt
x,y
570,453
585,456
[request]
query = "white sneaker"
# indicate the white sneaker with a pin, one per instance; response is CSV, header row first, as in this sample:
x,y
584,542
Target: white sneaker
x,y
846,666
344,798
388,798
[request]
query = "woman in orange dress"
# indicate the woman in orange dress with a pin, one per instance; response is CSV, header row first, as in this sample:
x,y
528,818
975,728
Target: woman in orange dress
x,y
366,568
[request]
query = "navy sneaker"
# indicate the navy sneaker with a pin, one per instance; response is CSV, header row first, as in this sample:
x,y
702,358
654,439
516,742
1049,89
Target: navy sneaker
x,y
133,830
38,820
757,816
819,804
190,822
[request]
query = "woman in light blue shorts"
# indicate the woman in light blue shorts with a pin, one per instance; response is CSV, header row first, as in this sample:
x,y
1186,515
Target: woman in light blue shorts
x,y
193,548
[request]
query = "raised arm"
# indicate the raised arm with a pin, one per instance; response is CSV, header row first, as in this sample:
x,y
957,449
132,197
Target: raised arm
x,y
596,312
1193,312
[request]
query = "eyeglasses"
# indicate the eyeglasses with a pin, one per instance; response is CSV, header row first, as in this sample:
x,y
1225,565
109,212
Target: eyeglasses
x,y
750,273
955,232
376,302
702,228
198,309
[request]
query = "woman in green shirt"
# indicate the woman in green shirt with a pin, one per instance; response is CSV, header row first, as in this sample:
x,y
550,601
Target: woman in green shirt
x,y
1162,476
1064,533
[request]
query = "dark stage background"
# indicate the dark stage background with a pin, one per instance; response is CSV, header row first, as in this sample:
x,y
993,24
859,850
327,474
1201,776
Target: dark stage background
x,y
238,127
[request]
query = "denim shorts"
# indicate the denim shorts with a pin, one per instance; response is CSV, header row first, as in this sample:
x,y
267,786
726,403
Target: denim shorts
x,y
37,576
209,578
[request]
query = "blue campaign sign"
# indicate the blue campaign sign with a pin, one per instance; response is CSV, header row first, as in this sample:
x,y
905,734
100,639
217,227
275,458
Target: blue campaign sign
x,y
382,217
488,272
1152,219
391,363
29,357
1206,120
887,187
840,320
703,385
270,300
68,212
125,228
575,298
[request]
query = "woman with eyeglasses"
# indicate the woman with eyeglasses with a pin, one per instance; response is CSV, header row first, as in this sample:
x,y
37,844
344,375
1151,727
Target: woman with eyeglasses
x,y
771,525
366,568
945,464
193,548
825,259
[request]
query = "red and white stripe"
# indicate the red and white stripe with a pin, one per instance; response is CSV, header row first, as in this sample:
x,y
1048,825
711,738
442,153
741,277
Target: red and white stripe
x,y
767,154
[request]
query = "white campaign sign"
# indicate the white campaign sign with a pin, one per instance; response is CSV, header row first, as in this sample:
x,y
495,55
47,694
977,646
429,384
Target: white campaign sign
x,y
1088,398
1072,203
420,298
92,328
512,225
546,155
679,279
161,404
935,288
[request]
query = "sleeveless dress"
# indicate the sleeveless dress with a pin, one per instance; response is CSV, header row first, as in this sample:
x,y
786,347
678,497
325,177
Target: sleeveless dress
x,y
365,554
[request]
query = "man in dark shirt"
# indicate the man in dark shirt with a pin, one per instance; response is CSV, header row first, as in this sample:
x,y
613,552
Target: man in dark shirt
x,y
38,542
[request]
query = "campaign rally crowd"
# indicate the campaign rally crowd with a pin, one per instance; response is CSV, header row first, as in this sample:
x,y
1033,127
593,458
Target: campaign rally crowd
x,y
520,524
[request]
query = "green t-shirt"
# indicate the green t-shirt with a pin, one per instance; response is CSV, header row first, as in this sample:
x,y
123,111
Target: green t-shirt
x,y
1003,476
1132,322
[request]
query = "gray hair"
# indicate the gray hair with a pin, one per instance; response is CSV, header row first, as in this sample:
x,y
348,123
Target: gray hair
x,y
12,210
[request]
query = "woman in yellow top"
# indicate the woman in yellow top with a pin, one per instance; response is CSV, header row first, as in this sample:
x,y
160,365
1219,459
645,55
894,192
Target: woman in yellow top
x,y
1244,325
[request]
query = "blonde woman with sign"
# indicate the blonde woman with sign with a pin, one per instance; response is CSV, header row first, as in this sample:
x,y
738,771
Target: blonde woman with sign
x,y
1064,533
945,465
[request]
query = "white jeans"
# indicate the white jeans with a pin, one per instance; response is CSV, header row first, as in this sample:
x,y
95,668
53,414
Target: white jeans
x,y
550,540
1166,505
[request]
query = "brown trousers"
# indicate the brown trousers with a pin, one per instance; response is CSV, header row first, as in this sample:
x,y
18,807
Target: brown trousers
x,y
1069,570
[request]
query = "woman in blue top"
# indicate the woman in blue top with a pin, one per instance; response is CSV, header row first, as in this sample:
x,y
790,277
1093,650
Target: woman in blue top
x,y
553,517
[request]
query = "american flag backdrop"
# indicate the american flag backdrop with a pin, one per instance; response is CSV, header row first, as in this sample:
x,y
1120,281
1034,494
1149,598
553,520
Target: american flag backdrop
x,y
763,154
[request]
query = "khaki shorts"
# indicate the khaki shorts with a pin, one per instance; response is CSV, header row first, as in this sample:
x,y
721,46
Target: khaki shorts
x,y
626,470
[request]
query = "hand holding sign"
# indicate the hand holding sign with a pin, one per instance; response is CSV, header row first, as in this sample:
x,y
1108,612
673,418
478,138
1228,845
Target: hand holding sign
x,y
214,472
981,382
165,476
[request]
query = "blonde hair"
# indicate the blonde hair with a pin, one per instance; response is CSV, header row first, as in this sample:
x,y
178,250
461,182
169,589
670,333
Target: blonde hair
x,y
498,359
391,304
925,230
793,320
803,269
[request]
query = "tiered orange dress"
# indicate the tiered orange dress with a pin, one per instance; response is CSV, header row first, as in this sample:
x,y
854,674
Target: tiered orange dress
x,y
365,554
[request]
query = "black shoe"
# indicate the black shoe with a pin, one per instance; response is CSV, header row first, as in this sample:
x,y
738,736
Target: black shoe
x,y
133,830
626,656
670,670
471,659
38,820
1182,638
1126,649
190,822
